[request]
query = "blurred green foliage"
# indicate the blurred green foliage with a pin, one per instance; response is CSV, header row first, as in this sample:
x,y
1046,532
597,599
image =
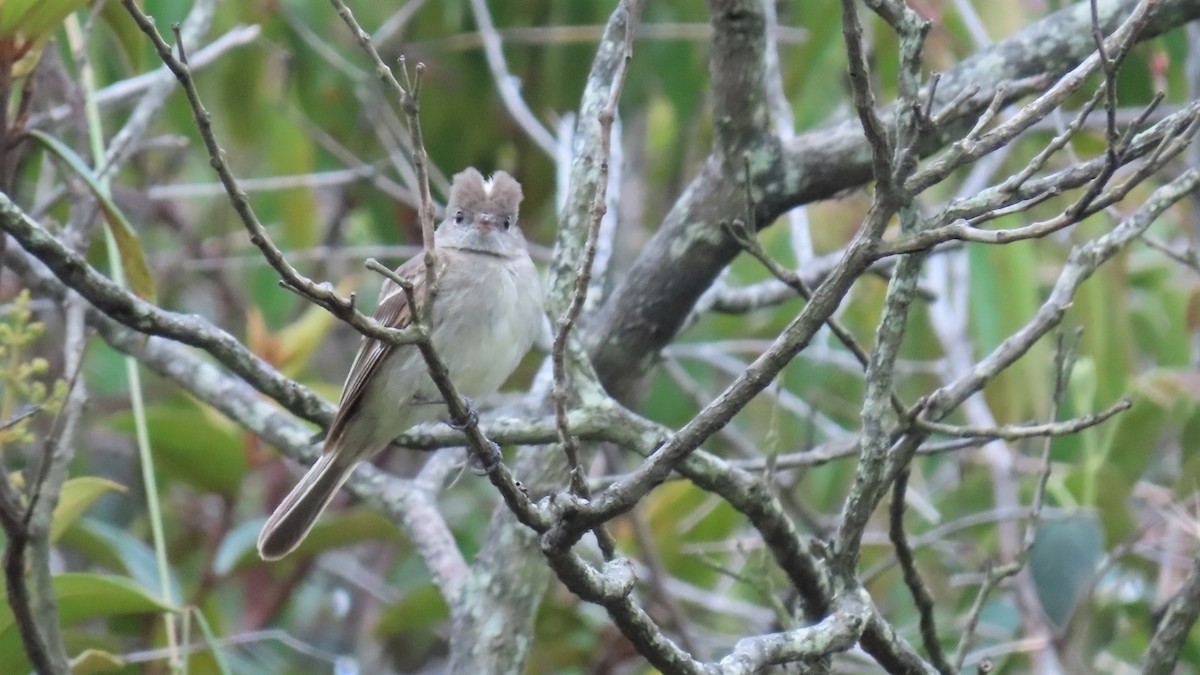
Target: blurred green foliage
x,y
24,390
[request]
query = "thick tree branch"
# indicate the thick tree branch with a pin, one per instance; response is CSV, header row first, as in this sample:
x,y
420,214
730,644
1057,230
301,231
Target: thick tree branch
x,y
509,575
690,249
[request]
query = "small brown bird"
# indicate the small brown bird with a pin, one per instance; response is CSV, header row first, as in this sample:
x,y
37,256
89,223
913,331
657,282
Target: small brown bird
x,y
486,315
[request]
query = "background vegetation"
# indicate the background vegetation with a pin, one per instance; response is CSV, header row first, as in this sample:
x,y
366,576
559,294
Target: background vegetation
x,y
142,559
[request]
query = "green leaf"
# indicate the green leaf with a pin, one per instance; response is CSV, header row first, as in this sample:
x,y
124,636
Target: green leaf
x,y
1189,444
1087,446
1063,558
1102,306
133,258
39,22
119,550
189,447
416,621
1135,437
27,25
34,20
80,596
298,208
1082,386
12,14
1106,489
1162,402
1004,293
78,495
237,548
348,527
84,595
662,512
210,639
126,32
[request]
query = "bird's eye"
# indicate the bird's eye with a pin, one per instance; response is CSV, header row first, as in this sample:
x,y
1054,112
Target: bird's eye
x,y
507,222
458,217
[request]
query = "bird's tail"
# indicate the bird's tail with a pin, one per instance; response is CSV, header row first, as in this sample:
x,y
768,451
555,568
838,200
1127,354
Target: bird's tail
x,y
299,510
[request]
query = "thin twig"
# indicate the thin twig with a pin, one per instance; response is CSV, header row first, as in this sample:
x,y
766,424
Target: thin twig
x,y
1017,432
743,233
410,103
864,98
320,294
1188,258
1064,361
979,143
912,578
506,82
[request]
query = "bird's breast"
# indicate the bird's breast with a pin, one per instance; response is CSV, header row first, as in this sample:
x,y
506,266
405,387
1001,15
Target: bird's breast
x,y
488,314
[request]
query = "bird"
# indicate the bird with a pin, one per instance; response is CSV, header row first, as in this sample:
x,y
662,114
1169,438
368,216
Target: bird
x,y
486,314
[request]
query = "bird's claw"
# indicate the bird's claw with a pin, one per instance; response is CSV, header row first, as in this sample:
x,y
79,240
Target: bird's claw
x,y
482,466
472,418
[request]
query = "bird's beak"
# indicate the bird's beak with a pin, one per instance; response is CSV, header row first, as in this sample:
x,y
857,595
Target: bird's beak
x,y
486,221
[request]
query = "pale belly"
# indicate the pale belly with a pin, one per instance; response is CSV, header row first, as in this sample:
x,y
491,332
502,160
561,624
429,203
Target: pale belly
x,y
483,338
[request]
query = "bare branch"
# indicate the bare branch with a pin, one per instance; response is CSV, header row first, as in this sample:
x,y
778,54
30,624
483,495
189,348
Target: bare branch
x,y
645,312
1016,432
343,308
506,82
912,578
566,322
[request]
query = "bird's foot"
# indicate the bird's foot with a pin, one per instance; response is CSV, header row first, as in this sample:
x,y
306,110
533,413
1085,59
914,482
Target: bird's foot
x,y
471,420
482,466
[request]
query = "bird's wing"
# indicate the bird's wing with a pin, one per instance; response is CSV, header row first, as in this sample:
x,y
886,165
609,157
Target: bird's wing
x,y
394,312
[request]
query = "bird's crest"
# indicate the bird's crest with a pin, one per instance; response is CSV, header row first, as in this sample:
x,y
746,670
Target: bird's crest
x,y
499,195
